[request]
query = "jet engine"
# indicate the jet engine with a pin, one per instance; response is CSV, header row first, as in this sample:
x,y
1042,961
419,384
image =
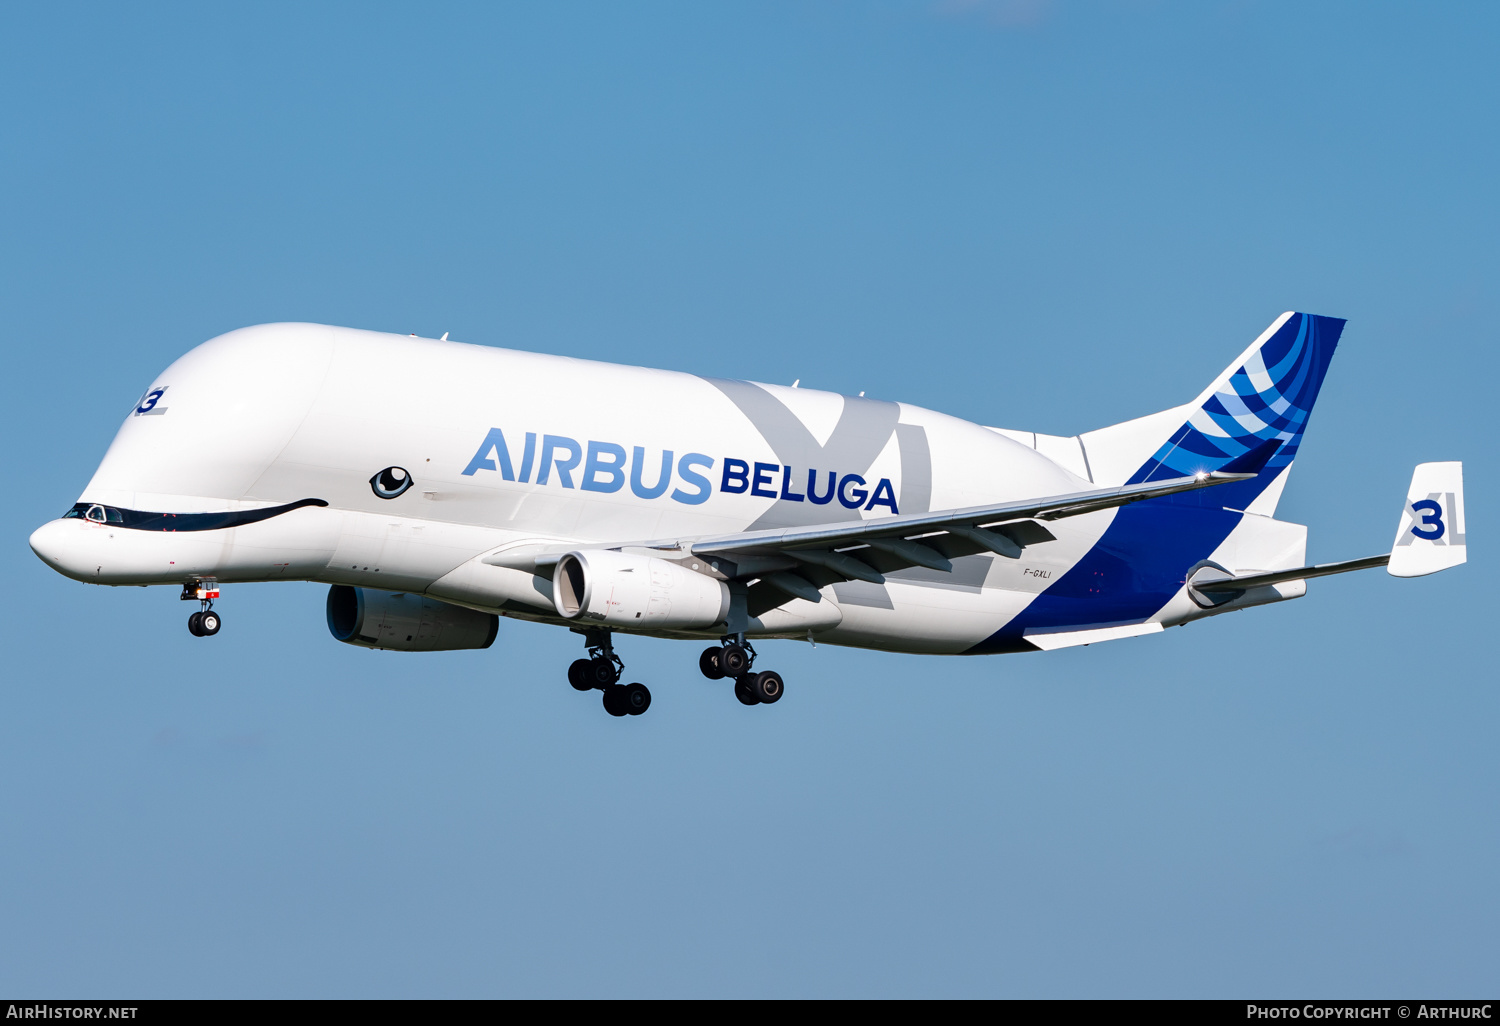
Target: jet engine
x,y
613,589
405,622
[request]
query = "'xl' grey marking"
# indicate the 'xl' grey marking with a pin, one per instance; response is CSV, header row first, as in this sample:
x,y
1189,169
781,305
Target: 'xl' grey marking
x,y
863,429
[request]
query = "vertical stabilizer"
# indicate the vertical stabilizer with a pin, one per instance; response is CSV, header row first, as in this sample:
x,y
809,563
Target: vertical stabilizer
x,y
1267,394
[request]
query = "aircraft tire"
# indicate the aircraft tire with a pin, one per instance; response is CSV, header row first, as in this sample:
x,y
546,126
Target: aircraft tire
x,y
614,700
745,691
193,627
209,623
636,699
708,662
734,660
603,672
768,686
579,675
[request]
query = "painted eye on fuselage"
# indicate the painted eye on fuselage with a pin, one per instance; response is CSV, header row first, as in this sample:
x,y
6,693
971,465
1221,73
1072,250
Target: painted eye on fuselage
x,y
390,482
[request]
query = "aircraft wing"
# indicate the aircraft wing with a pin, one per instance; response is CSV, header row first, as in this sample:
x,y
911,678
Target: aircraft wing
x,y
788,563
919,539
785,563
967,523
862,549
796,562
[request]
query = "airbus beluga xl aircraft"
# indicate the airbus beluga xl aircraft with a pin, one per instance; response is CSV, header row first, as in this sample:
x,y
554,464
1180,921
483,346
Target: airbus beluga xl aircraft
x,y
438,486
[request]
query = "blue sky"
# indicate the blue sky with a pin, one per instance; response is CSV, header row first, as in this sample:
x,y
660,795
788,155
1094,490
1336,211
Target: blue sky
x,y
1050,216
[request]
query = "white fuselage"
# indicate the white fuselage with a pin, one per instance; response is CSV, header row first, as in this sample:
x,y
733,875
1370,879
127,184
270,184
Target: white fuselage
x,y
509,450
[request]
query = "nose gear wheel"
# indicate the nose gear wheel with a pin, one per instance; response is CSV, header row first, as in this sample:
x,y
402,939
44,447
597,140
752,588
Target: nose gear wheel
x,y
205,623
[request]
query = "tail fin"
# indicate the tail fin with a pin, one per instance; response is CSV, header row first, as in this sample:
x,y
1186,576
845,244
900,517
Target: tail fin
x,y
1267,394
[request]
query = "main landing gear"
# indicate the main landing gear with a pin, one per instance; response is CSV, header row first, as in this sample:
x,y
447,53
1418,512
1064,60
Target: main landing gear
x,y
734,659
205,623
602,671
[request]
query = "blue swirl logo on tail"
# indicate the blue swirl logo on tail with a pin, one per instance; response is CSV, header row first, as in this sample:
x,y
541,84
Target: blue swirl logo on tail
x,y
1269,397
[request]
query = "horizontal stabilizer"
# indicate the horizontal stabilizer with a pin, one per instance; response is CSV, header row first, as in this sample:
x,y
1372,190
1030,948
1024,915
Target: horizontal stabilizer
x,y
1245,583
1429,538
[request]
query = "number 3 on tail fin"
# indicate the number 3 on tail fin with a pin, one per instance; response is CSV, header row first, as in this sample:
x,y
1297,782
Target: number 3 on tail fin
x,y
1430,536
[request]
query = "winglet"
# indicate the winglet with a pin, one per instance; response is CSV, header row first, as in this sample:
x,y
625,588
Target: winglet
x,y
1430,536
1253,461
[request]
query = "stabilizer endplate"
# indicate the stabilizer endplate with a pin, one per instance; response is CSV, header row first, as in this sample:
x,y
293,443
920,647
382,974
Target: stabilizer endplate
x,y
1430,536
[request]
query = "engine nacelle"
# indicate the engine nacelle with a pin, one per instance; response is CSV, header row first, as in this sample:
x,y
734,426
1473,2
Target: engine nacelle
x,y
613,589
405,622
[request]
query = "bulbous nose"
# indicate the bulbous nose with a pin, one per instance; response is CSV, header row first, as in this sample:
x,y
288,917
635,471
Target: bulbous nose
x,y
59,544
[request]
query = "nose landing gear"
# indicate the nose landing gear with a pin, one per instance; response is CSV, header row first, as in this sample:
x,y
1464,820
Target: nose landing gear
x,y
602,671
205,623
734,659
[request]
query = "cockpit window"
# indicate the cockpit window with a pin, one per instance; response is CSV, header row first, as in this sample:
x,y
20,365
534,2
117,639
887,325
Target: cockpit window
x,y
95,512
140,520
